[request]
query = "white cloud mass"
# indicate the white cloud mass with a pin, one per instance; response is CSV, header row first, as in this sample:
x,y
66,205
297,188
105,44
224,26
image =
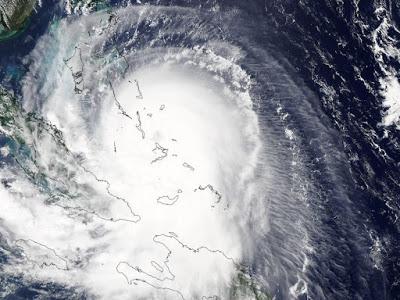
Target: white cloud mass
x,y
140,125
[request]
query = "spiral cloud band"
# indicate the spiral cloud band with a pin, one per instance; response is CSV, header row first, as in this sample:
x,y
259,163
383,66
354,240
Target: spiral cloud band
x,y
160,149
170,152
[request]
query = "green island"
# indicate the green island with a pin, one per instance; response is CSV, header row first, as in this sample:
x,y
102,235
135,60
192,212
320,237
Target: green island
x,y
14,17
245,286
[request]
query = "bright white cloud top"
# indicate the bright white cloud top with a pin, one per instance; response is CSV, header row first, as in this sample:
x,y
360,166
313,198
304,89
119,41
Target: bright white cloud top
x,y
145,195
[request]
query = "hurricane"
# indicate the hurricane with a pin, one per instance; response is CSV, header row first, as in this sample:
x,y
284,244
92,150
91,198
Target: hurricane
x,y
170,150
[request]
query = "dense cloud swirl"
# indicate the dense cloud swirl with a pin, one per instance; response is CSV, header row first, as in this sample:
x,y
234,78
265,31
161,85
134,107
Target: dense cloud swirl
x,y
157,157
171,152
